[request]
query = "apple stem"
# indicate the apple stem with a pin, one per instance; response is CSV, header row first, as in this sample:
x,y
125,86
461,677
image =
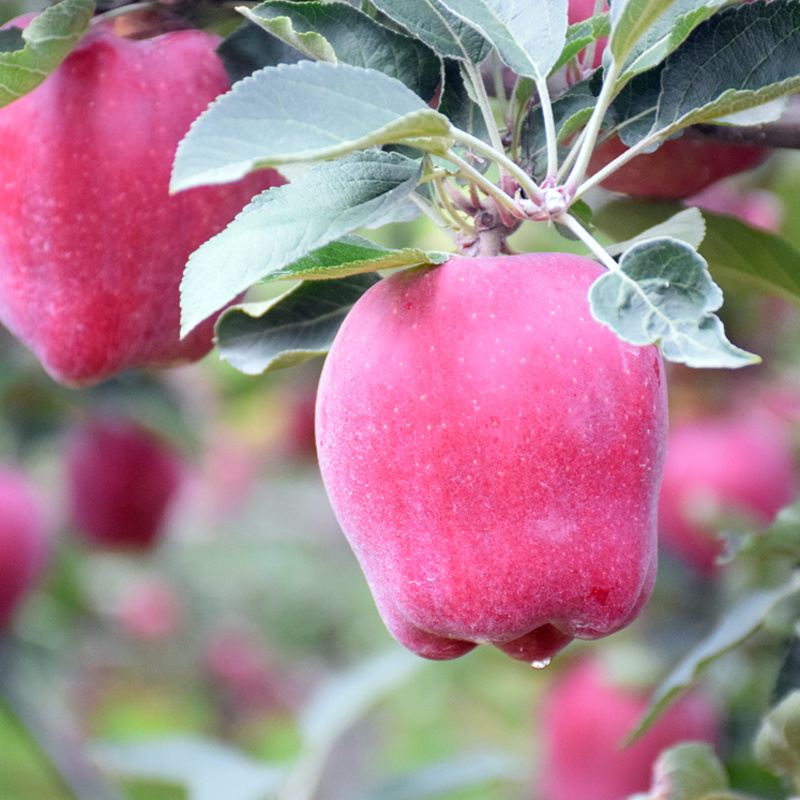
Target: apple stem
x,y
568,221
491,189
523,179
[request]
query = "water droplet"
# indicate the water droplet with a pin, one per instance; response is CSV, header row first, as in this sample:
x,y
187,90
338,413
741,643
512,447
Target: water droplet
x,y
541,664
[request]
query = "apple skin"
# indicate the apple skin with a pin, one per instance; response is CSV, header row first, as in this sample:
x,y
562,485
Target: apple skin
x,y
24,541
584,720
738,465
493,455
679,168
121,479
92,245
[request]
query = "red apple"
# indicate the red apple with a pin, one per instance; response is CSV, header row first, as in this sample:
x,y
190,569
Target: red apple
x,y
736,466
23,541
121,479
92,245
679,168
493,455
584,721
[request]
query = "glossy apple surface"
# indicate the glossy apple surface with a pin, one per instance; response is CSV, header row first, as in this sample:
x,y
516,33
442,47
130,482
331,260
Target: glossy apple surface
x,y
23,541
738,466
585,718
493,455
679,168
92,245
121,479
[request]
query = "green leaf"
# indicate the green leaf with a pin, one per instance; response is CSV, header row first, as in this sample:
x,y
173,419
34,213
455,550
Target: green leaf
x,y
750,259
529,34
686,225
283,23
782,540
305,112
663,293
299,325
630,19
337,706
446,777
347,697
742,57
442,31
580,35
48,40
741,621
777,744
208,769
667,32
287,222
688,771
336,31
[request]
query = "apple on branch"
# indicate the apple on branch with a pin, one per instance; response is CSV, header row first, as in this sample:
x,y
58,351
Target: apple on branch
x,y
121,480
493,455
92,244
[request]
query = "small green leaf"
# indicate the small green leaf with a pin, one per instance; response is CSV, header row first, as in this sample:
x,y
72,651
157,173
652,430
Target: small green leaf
x,y
630,19
777,744
740,621
667,32
48,40
336,31
295,113
782,540
208,769
663,293
299,325
686,225
580,35
274,19
442,31
287,222
688,771
529,36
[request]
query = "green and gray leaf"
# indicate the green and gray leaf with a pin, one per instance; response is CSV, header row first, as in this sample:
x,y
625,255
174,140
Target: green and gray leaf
x,y
300,113
663,293
288,222
337,31
444,32
299,325
43,45
529,34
